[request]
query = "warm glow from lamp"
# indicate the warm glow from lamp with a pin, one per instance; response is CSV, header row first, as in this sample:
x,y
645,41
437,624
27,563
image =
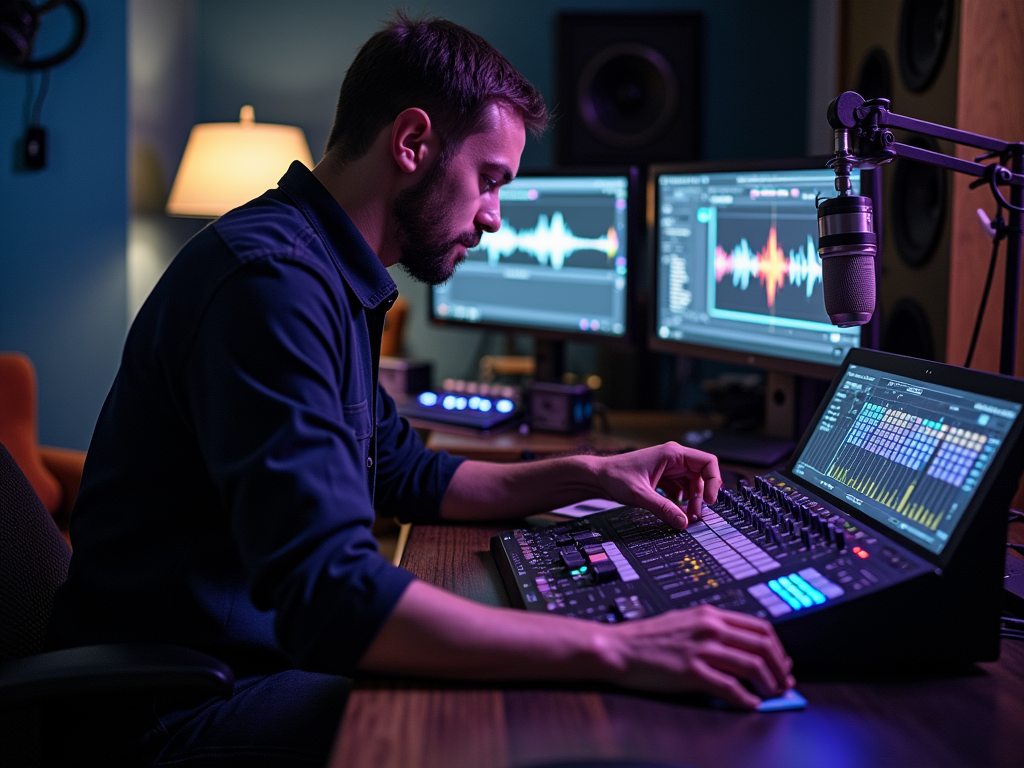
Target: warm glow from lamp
x,y
227,164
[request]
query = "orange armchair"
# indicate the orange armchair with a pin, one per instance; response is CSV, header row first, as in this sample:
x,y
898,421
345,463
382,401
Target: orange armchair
x,y
55,473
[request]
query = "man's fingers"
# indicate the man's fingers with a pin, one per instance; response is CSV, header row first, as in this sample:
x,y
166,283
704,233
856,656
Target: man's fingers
x,y
748,665
666,510
764,644
722,685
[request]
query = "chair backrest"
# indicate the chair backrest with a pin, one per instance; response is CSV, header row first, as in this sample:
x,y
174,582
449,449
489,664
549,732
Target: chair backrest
x,y
33,563
19,425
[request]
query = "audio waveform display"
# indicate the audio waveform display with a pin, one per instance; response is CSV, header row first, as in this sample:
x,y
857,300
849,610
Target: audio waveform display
x,y
550,242
771,266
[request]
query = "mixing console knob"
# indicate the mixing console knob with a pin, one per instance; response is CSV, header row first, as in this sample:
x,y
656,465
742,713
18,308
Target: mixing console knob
x,y
805,537
840,539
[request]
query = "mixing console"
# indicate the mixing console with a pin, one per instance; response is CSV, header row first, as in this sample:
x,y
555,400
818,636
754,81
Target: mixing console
x,y
880,542
765,549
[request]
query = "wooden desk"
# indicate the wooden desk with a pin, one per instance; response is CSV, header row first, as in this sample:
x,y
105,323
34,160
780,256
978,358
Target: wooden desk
x,y
974,718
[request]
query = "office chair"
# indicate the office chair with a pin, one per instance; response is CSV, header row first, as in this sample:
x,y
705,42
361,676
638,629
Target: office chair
x,y
33,563
55,473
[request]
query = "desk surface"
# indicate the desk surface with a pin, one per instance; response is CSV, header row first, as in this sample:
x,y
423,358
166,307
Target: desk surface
x,y
625,430
974,718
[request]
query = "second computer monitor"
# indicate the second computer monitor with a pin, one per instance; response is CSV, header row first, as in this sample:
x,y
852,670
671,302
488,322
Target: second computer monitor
x,y
737,272
561,264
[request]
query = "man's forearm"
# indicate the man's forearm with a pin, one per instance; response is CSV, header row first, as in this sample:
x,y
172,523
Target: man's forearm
x,y
433,633
488,491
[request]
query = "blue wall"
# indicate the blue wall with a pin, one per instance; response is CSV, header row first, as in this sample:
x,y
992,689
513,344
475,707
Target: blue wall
x,y
289,63
62,230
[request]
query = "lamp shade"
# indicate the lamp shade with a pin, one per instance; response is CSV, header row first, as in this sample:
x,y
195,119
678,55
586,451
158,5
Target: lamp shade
x,y
227,164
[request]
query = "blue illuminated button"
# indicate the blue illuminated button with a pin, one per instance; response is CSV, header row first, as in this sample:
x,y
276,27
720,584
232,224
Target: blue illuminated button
x,y
504,406
460,403
786,584
807,589
485,405
429,399
448,403
784,594
474,403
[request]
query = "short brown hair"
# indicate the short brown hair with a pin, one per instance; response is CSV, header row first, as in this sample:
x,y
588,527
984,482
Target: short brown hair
x,y
446,70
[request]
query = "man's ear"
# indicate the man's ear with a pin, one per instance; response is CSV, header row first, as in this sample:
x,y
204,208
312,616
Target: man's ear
x,y
413,140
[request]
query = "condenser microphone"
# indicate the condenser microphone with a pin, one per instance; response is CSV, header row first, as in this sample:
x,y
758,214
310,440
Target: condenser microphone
x,y
847,245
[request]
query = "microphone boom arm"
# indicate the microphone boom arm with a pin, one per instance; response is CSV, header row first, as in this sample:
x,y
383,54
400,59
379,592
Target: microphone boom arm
x,y
872,122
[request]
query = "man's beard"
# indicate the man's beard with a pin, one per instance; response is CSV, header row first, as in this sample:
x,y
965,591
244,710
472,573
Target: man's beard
x,y
424,230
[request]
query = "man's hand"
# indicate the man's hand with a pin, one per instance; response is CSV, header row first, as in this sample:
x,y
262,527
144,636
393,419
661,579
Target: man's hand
x,y
681,473
433,633
701,649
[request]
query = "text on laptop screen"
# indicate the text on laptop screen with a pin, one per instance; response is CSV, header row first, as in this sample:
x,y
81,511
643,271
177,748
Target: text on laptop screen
x,y
907,453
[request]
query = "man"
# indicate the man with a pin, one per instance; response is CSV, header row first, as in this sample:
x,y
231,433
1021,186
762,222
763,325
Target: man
x,y
239,459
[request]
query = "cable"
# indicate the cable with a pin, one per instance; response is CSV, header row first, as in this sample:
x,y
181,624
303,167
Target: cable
x,y
1015,547
44,86
994,184
1000,229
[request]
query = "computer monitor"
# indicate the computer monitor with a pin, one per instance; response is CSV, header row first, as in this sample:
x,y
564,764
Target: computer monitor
x,y
737,275
562,266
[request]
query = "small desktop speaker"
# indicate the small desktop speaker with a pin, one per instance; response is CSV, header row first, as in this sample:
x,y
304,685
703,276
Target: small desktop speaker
x,y
628,88
565,408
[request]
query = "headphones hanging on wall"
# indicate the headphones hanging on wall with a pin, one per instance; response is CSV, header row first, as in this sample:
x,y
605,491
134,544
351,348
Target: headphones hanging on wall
x,y
19,23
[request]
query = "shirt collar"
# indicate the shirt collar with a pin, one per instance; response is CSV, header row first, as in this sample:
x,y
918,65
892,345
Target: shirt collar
x,y
358,264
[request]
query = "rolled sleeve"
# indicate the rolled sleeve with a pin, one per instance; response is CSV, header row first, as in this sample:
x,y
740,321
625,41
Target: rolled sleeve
x,y
263,381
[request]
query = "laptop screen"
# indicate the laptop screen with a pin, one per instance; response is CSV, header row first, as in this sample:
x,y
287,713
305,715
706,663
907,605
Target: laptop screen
x,y
907,453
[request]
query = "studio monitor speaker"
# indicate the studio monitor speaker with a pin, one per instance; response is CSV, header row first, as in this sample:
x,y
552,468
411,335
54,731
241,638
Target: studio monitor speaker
x,y
956,63
907,52
628,88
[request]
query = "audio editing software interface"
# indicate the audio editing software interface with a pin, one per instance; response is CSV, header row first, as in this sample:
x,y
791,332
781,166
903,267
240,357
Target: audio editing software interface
x,y
738,265
907,453
557,263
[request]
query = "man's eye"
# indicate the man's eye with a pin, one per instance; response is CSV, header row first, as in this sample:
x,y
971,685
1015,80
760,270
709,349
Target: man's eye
x,y
488,184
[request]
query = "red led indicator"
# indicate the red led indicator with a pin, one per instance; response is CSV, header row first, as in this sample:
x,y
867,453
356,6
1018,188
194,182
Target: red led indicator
x,y
862,554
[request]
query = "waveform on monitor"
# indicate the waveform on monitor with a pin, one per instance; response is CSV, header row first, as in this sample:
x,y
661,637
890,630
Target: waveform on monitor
x,y
550,242
770,265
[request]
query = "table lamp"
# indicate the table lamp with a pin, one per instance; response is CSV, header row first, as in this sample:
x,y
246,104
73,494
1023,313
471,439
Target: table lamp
x,y
228,164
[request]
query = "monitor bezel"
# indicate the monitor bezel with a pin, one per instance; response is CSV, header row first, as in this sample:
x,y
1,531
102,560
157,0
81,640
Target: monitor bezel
x,y
633,336
966,379
669,346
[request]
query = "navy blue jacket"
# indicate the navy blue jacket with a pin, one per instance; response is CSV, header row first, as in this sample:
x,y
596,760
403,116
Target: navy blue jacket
x,y
232,479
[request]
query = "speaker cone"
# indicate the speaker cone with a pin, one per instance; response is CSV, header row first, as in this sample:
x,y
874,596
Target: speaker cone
x,y
925,29
918,206
627,94
907,331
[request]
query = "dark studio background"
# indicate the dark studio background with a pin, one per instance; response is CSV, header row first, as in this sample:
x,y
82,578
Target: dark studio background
x,y
82,241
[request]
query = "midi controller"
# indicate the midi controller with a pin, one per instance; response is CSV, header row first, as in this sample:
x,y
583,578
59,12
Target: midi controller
x,y
880,542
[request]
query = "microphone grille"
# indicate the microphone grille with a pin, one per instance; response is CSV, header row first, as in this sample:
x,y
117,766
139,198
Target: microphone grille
x,y
848,283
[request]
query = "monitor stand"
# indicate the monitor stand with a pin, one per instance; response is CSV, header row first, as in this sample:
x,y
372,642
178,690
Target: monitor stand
x,y
550,358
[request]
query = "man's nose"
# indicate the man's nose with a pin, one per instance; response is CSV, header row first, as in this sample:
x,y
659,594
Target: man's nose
x,y
488,218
